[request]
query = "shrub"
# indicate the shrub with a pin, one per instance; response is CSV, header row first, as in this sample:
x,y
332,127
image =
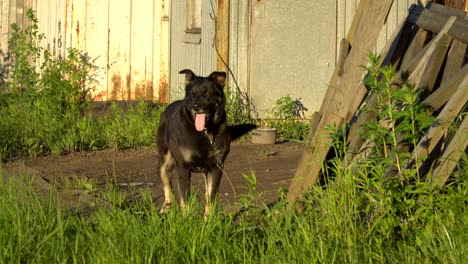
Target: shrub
x,y
46,104
289,119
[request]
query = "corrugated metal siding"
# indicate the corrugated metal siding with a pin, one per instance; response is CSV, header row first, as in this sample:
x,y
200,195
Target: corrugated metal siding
x,y
4,29
199,57
239,44
129,40
51,16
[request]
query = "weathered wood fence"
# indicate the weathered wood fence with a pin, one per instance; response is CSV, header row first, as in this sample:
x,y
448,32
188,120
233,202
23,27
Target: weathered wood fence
x,y
429,51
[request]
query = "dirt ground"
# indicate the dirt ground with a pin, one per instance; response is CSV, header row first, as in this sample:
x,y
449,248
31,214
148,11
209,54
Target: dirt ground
x,y
273,165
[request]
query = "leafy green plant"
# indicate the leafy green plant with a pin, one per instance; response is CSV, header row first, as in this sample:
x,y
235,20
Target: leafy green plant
x,y
401,120
397,202
46,104
238,107
25,51
288,118
136,128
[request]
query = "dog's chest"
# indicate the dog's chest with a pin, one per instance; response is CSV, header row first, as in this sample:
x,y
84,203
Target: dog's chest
x,y
197,150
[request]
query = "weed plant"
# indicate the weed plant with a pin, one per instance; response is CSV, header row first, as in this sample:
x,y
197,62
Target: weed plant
x,y
238,108
288,118
46,104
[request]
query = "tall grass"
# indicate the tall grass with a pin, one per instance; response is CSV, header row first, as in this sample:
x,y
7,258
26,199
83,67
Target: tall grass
x,y
353,221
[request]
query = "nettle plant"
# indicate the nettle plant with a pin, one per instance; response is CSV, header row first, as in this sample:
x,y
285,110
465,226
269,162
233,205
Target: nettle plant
x,y
398,201
401,118
37,75
44,97
239,108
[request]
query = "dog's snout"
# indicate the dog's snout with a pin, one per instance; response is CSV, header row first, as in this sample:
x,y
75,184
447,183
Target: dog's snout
x,y
196,107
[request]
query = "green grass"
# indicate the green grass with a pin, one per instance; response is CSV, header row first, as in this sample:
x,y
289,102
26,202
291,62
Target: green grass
x,y
33,130
350,222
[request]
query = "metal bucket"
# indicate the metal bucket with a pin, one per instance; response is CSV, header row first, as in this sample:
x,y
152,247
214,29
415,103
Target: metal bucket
x,y
264,135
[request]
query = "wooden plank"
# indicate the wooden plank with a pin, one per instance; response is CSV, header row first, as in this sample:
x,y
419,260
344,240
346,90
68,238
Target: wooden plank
x,y
435,47
442,9
415,47
455,59
343,54
306,156
424,77
365,37
433,21
222,35
451,155
398,49
357,16
440,96
427,144
434,64
390,54
359,97
338,71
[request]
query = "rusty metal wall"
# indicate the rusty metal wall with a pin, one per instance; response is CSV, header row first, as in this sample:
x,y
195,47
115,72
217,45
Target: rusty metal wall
x,y
188,50
129,40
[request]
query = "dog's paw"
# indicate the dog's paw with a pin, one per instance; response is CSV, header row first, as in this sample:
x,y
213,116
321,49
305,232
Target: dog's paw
x,y
165,208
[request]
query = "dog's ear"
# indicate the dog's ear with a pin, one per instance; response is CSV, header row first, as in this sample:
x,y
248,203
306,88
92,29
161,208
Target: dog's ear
x,y
189,75
219,78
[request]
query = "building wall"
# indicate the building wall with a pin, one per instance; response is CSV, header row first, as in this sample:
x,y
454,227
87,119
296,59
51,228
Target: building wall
x,y
291,51
191,51
287,47
129,40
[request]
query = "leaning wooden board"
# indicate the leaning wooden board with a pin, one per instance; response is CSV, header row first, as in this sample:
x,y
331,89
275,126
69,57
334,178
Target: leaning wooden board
x,y
427,65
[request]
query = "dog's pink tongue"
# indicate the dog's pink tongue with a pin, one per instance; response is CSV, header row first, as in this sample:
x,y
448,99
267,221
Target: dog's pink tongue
x,y
200,121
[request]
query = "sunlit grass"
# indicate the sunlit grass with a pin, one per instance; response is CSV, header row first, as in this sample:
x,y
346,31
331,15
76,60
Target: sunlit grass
x,y
336,226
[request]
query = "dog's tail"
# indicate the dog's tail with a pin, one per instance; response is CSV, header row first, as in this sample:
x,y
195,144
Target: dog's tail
x,y
238,131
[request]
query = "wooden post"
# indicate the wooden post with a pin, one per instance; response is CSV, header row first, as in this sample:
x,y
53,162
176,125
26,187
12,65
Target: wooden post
x,y
222,35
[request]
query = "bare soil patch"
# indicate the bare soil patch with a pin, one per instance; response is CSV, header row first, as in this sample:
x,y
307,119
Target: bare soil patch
x,y
273,165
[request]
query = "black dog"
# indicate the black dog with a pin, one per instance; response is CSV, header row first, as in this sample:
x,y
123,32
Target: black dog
x,y
193,135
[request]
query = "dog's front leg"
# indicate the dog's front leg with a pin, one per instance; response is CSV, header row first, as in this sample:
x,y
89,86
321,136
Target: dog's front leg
x,y
212,181
166,167
183,186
